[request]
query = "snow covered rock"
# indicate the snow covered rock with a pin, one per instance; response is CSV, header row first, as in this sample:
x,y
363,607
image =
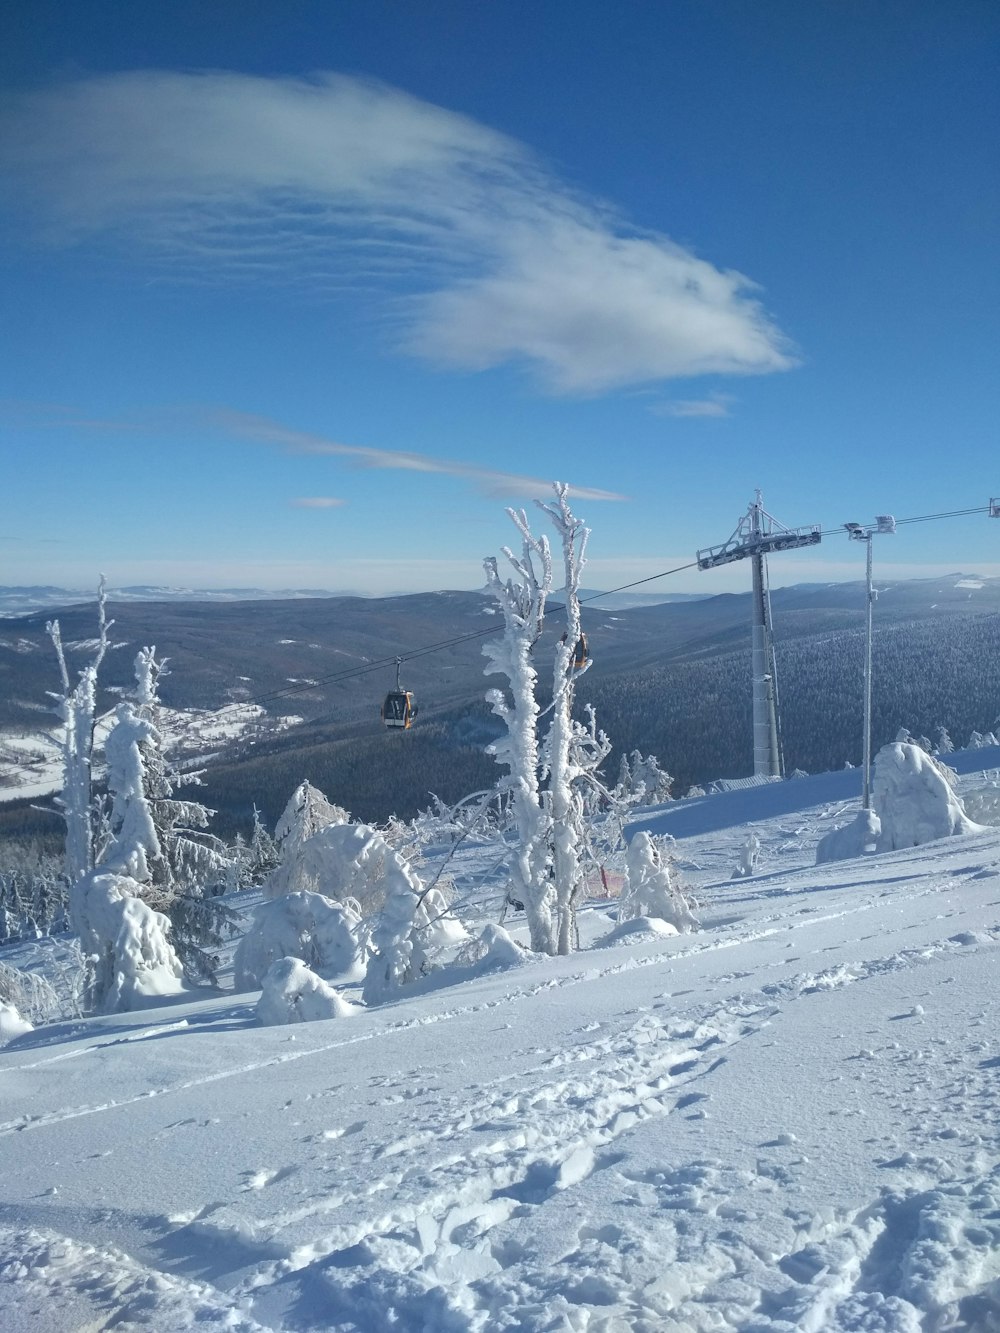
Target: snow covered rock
x,y
307,926
915,799
11,1023
850,840
292,993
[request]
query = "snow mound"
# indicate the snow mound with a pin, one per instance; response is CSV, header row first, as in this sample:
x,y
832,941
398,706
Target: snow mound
x,y
307,926
915,799
494,951
639,928
11,1023
292,993
850,840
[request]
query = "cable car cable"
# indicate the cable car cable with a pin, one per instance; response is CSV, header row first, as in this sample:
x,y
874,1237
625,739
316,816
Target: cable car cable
x,y
379,663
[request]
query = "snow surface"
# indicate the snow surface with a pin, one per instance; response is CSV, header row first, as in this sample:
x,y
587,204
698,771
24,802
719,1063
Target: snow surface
x,y
788,1120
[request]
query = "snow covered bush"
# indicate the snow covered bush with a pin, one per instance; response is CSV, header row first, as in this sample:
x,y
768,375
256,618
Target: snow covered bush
x,y
850,840
492,951
749,856
307,813
293,994
641,778
914,798
11,1023
414,925
307,926
28,994
649,889
126,943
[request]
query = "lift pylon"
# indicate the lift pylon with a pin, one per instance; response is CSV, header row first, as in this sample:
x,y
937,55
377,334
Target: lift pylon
x,y
757,535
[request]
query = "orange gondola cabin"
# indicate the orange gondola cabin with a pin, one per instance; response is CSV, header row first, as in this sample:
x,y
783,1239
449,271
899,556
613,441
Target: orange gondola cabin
x,y
400,707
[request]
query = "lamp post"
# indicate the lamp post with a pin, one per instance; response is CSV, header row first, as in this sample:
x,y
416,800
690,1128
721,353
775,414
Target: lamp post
x,y
884,523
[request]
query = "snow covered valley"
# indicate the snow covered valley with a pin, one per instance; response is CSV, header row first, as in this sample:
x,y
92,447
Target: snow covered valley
x,y
787,1120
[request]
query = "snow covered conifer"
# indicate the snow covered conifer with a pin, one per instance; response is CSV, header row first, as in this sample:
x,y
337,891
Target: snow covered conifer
x,y
915,799
944,743
158,841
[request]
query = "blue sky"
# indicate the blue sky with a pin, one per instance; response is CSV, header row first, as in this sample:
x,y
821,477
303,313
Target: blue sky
x,y
303,295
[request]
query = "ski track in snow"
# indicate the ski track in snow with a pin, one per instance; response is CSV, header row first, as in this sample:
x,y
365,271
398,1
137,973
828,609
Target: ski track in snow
x,y
606,1179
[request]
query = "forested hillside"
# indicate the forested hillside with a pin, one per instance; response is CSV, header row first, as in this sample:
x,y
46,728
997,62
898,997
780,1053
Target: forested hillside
x,y
672,680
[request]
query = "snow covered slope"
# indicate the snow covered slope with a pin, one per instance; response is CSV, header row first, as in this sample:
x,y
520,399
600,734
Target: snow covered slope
x,y
788,1120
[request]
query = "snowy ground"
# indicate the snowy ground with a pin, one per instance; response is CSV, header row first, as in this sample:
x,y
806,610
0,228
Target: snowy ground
x,y
787,1121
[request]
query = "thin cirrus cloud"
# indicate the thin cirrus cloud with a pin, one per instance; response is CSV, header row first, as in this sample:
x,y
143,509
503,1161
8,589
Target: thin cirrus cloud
x,y
317,502
482,255
716,406
244,425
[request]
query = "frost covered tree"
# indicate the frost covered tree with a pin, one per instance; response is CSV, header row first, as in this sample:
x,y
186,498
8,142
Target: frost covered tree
x,y
158,841
546,784
77,707
944,742
412,926
307,813
641,779
651,889
915,799
564,757
522,598
307,926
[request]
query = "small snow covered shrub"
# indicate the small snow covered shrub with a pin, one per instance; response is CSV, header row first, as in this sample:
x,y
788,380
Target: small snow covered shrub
x,y
11,1023
493,951
307,926
292,993
915,799
749,856
850,840
28,994
649,889
983,803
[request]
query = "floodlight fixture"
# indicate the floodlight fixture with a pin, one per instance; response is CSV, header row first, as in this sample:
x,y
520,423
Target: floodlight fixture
x,y
884,524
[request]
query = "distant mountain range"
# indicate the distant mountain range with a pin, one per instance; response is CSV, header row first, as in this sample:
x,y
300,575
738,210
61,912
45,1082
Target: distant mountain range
x,y
15,601
672,678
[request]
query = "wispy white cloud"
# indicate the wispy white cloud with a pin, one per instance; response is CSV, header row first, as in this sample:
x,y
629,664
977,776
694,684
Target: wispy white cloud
x,y
337,180
247,426
487,480
716,406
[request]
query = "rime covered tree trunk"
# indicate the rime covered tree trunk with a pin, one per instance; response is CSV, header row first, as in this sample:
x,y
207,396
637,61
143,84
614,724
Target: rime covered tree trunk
x,y
565,798
522,601
77,711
